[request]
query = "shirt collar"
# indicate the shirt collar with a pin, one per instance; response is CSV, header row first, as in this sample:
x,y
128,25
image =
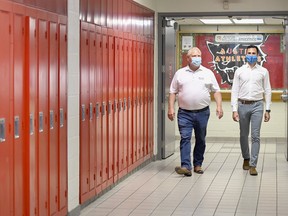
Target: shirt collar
x,y
255,66
188,68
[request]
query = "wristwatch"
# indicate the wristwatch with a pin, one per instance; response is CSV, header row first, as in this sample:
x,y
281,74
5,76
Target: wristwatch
x,y
268,111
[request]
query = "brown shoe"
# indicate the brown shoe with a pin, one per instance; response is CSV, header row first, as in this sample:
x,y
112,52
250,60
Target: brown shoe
x,y
183,171
253,171
198,170
246,165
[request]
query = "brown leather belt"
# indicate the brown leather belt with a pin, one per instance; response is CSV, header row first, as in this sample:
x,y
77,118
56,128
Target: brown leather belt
x,y
247,101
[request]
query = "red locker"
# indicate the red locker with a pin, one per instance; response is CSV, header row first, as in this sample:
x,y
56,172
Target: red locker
x,y
62,120
92,101
110,13
18,100
125,100
120,107
6,114
98,96
53,116
134,99
116,106
129,102
103,13
139,99
84,114
43,115
104,120
31,117
115,14
110,114
96,5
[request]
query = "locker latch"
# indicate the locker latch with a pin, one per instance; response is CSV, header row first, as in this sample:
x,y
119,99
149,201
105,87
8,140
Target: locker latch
x,y
2,130
16,127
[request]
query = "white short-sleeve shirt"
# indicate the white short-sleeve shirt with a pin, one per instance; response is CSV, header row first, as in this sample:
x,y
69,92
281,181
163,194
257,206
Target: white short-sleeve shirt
x,y
194,87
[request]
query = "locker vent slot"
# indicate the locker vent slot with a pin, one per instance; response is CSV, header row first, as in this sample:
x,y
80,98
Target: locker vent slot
x,y
51,119
2,130
103,109
31,124
83,112
90,111
16,127
61,117
41,121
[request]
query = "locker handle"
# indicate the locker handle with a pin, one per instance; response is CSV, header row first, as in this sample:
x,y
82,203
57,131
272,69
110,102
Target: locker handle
x,y
51,119
2,130
90,111
31,124
83,112
16,127
97,110
61,117
41,122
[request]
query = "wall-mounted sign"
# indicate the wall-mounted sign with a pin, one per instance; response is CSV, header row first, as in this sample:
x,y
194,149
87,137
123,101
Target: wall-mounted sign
x,y
239,38
187,42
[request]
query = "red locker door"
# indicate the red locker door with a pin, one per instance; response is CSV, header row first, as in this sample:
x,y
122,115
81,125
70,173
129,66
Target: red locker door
x,y
129,103
115,110
98,95
53,117
138,98
31,119
151,97
145,110
62,123
103,13
43,118
125,99
110,88
6,116
104,107
92,121
84,114
120,108
18,105
134,99
110,13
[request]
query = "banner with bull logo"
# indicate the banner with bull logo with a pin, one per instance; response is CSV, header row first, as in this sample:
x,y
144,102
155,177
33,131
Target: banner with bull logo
x,y
224,53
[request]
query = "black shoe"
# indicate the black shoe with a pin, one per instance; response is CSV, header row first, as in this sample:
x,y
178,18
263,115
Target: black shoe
x,y
246,165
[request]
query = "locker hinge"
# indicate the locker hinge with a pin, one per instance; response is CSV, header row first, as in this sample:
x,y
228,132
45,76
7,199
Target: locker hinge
x,y
10,29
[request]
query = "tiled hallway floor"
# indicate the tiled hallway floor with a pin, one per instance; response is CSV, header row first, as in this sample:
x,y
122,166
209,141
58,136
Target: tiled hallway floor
x,y
223,190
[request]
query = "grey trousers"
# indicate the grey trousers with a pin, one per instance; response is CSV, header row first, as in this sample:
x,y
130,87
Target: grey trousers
x,y
250,114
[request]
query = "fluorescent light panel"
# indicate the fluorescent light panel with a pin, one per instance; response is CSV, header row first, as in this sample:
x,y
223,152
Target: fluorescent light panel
x,y
216,21
248,21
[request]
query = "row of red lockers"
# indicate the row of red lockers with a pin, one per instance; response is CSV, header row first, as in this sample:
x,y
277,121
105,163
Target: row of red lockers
x,y
116,124
33,119
124,15
33,111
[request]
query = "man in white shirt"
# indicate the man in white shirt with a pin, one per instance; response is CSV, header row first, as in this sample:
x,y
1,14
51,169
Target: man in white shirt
x,y
193,85
251,84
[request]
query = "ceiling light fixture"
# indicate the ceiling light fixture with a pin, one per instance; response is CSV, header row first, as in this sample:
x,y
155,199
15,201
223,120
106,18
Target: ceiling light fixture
x,y
248,21
216,21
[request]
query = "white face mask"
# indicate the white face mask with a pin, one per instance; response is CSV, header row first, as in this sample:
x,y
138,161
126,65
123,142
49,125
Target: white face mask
x,y
196,61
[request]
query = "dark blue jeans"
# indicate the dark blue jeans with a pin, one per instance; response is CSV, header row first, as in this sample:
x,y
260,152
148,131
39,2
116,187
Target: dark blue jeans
x,y
187,121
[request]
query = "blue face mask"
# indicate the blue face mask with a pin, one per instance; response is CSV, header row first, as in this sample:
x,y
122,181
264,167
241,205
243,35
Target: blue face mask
x,y
251,59
196,61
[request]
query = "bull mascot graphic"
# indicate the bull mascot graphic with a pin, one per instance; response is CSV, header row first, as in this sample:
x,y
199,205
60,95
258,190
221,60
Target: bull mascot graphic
x,y
227,58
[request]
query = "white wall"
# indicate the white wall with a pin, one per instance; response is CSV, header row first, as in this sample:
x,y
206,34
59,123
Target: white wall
x,y
73,104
